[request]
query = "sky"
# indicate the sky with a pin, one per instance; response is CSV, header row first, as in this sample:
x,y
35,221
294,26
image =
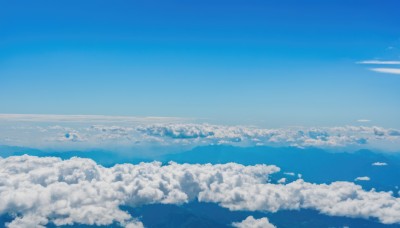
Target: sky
x,y
269,63
247,106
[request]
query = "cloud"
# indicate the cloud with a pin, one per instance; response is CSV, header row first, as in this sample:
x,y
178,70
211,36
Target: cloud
x,y
379,164
379,62
71,137
113,135
362,179
386,70
282,181
78,191
363,120
251,222
179,131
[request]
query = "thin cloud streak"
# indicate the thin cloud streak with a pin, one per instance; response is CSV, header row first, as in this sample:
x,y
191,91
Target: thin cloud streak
x,y
84,118
386,70
379,62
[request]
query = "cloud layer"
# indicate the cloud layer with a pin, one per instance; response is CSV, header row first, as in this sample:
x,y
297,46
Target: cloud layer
x,y
41,190
91,134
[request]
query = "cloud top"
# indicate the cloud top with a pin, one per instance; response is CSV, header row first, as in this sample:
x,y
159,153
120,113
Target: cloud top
x,y
251,222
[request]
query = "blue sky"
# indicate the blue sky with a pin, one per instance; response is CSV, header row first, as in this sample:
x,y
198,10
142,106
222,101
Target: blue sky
x,y
272,63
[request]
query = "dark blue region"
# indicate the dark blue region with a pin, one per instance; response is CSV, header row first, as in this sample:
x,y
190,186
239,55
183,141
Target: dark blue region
x,y
315,165
200,215
197,214
102,157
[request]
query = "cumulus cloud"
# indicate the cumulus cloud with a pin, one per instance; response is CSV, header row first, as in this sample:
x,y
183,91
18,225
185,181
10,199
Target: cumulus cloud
x,y
43,190
251,222
379,164
386,70
362,178
64,192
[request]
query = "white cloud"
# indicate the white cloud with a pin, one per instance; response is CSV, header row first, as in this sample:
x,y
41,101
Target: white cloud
x,y
282,181
42,190
289,173
380,62
386,70
251,222
362,179
379,164
363,120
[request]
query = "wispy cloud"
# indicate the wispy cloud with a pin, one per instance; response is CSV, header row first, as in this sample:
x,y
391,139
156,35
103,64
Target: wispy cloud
x,y
363,120
362,179
387,70
379,164
84,118
379,62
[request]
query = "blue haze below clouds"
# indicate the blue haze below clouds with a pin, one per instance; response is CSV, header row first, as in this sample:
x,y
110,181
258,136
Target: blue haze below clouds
x,y
271,63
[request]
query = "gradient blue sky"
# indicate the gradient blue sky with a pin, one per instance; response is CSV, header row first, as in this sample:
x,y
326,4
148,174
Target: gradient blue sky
x,y
272,63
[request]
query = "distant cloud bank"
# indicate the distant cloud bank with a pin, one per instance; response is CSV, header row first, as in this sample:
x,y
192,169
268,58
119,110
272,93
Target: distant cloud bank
x,y
86,133
38,191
